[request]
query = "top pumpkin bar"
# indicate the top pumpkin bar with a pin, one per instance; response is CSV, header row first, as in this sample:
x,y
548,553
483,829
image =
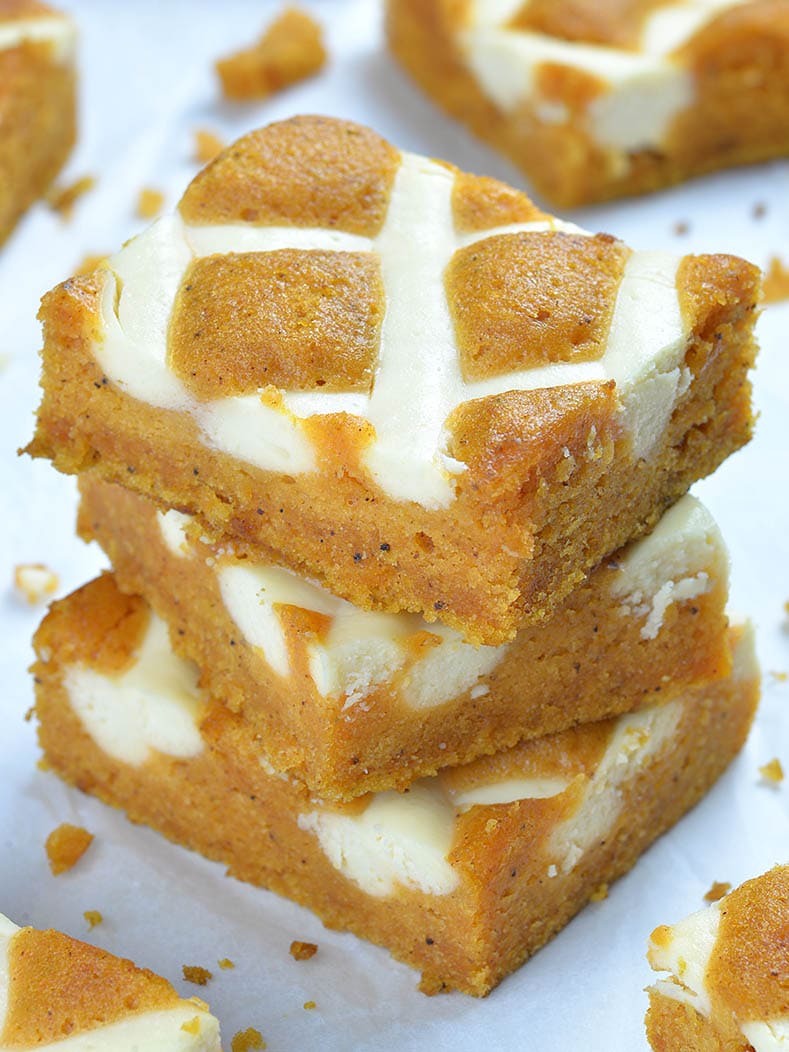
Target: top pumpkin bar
x,y
596,99
406,382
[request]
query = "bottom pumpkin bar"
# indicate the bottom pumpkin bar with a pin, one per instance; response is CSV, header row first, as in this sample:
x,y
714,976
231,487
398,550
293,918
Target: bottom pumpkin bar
x,y
727,984
59,993
463,876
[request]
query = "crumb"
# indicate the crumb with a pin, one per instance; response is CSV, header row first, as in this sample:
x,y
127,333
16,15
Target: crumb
x,y
599,893
192,1026
92,261
246,1040
681,227
35,581
776,281
62,199
772,772
30,714
780,677
302,951
193,973
309,1005
225,963
149,203
65,846
717,891
207,145
290,50
759,210
43,764
93,917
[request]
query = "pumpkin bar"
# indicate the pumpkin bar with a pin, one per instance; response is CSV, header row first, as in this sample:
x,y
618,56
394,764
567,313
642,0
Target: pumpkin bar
x,y
463,876
595,99
60,992
726,983
409,383
351,701
37,103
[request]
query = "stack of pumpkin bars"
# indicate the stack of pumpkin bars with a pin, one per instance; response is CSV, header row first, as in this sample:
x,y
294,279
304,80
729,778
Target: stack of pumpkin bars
x,y
436,643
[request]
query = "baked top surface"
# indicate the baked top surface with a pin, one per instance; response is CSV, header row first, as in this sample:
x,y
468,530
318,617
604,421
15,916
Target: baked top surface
x,y
314,270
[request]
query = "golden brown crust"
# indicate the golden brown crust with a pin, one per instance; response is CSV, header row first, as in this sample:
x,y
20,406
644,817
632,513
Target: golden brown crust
x,y
59,986
307,171
298,320
11,10
748,973
673,1026
521,301
615,23
480,203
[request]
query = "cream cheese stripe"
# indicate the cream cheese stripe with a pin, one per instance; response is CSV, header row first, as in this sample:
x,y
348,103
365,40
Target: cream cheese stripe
x,y
418,381
59,32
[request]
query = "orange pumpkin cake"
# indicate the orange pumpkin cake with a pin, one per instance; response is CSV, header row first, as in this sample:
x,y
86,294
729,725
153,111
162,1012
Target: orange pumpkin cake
x,y
463,876
727,983
352,701
407,382
595,99
37,103
58,994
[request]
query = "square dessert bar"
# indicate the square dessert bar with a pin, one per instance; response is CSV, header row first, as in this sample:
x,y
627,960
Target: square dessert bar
x,y
463,876
351,701
37,103
409,383
59,991
727,984
595,99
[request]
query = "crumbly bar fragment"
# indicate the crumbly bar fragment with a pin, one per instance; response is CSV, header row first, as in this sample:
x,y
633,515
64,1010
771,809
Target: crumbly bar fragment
x,y
386,698
463,876
59,993
470,448
596,99
37,103
727,982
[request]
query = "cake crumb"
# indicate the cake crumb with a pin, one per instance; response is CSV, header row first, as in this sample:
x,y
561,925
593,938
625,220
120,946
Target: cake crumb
x,y
302,951
681,227
599,893
65,846
309,1005
35,582
772,772
290,50
92,261
193,973
93,917
225,964
776,281
759,210
192,1026
718,890
780,677
247,1040
207,145
61,199
30,714
149,203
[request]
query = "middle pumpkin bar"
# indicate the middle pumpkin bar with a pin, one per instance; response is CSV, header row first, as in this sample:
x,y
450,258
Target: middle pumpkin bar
x,y
353,701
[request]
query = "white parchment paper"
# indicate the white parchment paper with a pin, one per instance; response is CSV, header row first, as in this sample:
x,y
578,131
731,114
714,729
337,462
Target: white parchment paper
x,y
147,84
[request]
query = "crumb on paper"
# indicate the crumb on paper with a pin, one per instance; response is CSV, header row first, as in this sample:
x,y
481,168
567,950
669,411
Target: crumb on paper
x,y
247,1040
681,227
302,951
780,677
62,199
290,50
309,1005
599,893
193,973
759,210
776,281
192,1026
30,714
718,889
225,964
90,262
772,772
207,145
93,917
35,582
65,846
149,203
43,764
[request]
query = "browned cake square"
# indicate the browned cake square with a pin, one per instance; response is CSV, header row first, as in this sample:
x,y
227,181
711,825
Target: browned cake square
x,y
463,876
37,103
596,99
408,383
352,701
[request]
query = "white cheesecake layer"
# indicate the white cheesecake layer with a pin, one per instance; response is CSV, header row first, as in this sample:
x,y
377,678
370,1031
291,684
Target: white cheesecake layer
x,y
56,31
414,392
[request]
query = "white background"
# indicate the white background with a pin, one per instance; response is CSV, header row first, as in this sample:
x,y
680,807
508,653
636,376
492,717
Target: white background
x,y
147,83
